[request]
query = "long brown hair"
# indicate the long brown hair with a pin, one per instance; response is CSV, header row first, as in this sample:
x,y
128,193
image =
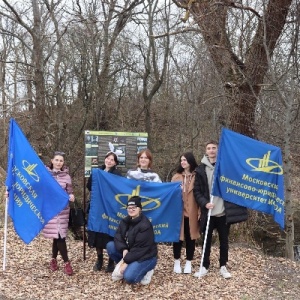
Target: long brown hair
x,y
190,158
148,154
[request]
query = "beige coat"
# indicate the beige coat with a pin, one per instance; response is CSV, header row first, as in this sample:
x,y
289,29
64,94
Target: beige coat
x,y
191,209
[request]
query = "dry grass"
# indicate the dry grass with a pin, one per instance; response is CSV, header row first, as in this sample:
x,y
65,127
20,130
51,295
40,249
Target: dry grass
x,y
255,276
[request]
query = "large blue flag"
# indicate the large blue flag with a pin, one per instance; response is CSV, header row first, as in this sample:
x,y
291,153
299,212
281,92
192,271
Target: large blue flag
x,y
35,197
161,202
249,173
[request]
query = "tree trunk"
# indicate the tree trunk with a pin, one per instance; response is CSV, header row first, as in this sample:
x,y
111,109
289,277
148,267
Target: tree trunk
x,y
242,79
154,75
37,57
289,210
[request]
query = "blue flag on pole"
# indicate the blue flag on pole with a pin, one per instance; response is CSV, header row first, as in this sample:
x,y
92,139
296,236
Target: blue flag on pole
x,y
161,202
249,173
35,197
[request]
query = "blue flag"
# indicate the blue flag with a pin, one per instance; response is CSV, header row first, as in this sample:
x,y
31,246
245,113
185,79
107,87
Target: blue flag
x,y
161,202
249,173
35,197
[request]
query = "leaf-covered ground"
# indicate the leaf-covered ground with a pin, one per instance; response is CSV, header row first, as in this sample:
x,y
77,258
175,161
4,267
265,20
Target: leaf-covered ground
x,y
255,276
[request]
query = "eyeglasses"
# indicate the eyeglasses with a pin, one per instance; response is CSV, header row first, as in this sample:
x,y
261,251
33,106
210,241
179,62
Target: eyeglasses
x,y
133,207
59,153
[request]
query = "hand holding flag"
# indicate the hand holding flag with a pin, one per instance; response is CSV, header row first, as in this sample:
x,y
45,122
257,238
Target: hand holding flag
x,y
249,173
35,197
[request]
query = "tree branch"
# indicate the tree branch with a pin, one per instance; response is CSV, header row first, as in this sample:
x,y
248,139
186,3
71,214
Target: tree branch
x,y
185,30
239,6
20,21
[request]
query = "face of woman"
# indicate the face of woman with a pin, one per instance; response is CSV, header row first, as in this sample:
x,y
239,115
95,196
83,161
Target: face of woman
x,y
133,211
144,161
57,162
109,161
184,163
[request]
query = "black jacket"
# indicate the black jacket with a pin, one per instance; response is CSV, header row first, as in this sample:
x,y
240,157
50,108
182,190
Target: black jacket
x,y
234,213
137,236
112,170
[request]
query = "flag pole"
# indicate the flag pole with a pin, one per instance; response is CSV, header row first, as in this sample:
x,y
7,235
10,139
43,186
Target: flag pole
x,y
205,237
84,211
5,233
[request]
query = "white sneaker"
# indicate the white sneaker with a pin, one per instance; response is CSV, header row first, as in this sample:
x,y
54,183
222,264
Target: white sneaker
x,y
202,272
147,278
224,272
177,267
188,267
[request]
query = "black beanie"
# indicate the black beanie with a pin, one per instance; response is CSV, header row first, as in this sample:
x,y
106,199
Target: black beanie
x,y
135,200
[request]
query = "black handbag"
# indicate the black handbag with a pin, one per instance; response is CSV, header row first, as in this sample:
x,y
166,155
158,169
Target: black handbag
x,y
76,217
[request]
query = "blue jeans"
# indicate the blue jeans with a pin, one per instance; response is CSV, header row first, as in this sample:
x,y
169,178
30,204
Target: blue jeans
x,y
136,270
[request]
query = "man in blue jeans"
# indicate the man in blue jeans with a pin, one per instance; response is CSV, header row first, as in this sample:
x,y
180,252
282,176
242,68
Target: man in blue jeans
x,y
134,243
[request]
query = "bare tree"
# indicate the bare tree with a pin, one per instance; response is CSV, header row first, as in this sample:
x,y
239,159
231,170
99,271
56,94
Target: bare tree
x,y
154,61
279,107
242,78
35,32
101,22
36,49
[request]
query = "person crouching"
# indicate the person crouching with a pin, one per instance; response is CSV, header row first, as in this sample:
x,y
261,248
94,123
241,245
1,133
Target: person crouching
x,y
134,244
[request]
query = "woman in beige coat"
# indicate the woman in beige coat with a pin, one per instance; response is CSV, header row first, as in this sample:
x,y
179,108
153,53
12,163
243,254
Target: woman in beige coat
x,y
190,230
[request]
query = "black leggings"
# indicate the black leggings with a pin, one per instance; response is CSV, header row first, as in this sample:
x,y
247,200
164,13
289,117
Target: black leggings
x,y
189,243
59,245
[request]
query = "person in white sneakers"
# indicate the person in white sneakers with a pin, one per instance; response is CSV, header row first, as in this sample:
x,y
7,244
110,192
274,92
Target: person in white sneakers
x,y
189,231
134,246
223,213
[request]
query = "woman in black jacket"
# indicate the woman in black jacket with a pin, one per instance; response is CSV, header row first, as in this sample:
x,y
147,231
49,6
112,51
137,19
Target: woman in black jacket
x,y
134,243
98,239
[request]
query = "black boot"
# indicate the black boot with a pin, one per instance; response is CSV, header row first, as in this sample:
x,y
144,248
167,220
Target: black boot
x,y
99,263
110,267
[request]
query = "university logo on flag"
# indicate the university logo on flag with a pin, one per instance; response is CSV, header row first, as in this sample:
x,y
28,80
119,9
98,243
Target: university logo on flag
x,y
35,197
161,202
249,173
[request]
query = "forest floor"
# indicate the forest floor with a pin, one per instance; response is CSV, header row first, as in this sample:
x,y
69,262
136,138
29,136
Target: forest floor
x,y
254,275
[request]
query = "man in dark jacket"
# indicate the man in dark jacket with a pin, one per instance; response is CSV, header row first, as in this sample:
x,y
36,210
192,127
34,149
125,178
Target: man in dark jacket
x,y
134,243
223,213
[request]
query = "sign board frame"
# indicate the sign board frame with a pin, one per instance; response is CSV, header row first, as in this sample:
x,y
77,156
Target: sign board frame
x,y
125,144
